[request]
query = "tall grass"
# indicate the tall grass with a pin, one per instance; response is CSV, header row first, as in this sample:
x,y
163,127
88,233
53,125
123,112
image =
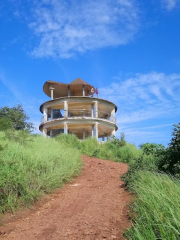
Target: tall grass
x,y
90,147
69,140
35,167
108,150
156,210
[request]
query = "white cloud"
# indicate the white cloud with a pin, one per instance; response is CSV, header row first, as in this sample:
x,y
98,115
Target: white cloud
x,y
169,4
143,100
69,27
145,89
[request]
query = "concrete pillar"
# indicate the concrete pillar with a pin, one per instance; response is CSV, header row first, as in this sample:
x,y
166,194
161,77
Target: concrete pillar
x,y
44,132
114,132
68,91
65,128
92,110
45,114
92,130
51,114
52,91
96,109
65,109
83,91
84,133
96,130
52,94
108,137
113,116
51,133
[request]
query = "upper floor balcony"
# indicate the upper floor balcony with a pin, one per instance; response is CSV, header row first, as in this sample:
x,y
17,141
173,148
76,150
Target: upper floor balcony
x,y
78,108
78,114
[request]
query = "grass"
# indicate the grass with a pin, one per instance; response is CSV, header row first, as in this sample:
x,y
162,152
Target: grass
x,y
156,210
32,165
127,153
33,168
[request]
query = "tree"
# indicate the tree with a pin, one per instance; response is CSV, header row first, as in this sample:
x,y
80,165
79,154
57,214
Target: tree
x,y
14,118
5,123
170,162
152,148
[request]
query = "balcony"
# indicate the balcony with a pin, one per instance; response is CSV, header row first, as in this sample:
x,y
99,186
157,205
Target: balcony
x,y
78,114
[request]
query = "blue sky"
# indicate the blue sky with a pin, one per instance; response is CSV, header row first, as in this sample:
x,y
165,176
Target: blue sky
x,y
129,49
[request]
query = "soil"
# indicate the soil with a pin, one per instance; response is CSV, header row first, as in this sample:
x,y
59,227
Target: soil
x,y
91,207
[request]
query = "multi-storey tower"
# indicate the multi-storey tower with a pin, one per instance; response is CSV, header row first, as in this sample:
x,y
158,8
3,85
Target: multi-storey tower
x,y
73,109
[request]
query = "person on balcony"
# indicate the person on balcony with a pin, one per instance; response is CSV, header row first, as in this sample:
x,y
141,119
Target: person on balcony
x,y
97,92
92,91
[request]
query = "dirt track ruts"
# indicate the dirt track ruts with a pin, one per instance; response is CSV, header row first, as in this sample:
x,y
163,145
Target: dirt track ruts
x,y
92,207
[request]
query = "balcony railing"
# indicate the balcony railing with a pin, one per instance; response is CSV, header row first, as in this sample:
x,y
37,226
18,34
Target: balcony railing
x,y
82,113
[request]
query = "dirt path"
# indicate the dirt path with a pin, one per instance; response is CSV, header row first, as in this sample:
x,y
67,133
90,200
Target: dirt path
x,y
92,207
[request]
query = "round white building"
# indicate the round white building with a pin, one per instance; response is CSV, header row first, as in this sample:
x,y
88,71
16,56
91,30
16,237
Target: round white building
x,y
73,109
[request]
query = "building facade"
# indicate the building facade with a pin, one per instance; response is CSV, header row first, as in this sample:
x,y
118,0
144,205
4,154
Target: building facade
x,y
73,108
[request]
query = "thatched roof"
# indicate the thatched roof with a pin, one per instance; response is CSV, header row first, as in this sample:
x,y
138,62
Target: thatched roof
x,y
61,89
78,81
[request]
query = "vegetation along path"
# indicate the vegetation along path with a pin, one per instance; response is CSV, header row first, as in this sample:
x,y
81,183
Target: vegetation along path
x,y
93,206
